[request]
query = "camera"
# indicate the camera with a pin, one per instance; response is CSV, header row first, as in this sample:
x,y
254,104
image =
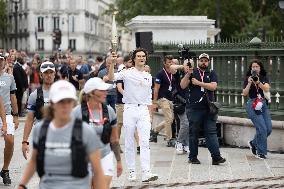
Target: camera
x,y
185,53
254,76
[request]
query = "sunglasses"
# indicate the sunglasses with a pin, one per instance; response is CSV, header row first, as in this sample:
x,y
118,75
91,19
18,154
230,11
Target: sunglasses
x,y
47,65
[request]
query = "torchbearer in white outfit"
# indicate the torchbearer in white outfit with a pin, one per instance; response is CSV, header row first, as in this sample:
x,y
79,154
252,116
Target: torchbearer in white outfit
x,y
137,97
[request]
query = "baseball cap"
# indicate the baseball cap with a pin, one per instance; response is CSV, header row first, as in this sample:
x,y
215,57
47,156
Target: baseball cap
x,y
60,90
47,66
203,55
96,83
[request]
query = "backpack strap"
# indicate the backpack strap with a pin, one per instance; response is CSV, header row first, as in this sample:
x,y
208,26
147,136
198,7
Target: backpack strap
x,y
85,112
39,103
41,148
78,149
105,137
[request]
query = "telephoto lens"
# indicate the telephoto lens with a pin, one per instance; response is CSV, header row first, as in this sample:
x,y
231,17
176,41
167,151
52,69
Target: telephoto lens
x,y
254,76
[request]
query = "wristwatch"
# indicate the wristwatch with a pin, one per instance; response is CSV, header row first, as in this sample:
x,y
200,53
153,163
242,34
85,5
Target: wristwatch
x,y
25,142
23,186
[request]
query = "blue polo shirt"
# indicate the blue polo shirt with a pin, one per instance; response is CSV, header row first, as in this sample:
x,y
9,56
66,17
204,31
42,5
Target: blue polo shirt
x,y
197,98
163,79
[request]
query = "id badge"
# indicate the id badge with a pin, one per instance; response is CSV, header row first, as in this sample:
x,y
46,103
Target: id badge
x,y
259,96
170,88
202,89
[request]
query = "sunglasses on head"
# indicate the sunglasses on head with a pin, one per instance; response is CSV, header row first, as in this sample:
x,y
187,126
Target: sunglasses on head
x,y
47,65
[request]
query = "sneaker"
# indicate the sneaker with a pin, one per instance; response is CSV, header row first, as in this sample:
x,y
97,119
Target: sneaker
x,y
193,161
153,137
260,156
6,177
148,176
132,176
179,148
138,149
186,149
252,147
218,161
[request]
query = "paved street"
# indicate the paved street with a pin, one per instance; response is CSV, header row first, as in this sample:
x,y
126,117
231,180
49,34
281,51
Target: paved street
x,y
241,170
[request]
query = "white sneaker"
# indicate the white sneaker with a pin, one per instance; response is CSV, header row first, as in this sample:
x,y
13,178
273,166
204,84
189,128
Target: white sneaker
x,y
148,176
132,176
186,149
179,148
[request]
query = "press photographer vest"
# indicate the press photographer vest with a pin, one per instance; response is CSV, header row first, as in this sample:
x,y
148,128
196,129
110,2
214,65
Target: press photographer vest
x,y
105,137
39,103
78,151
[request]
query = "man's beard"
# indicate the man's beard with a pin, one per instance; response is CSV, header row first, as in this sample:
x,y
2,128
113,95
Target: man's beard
x,y
203,66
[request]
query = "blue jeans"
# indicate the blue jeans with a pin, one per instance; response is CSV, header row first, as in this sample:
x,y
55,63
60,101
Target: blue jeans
x,y
263,126
111,100
199,118
183,131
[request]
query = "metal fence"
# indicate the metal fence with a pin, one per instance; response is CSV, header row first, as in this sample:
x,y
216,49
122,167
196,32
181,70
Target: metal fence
x,y
230,60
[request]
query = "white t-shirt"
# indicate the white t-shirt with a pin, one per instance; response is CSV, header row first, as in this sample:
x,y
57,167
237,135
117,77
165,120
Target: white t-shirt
x,y
137,86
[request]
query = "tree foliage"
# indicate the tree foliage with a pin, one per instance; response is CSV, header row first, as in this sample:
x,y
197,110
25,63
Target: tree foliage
x,y
3,20
238,18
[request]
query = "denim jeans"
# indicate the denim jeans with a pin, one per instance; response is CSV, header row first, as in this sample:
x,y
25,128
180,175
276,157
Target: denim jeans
x,y
263,125
199,118
183,131
111,100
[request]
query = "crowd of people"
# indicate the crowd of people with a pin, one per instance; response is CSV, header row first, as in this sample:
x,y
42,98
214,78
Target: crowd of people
x,y
76,110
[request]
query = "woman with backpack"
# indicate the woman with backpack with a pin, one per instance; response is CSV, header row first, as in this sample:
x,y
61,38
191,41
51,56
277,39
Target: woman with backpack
x,y
103,119
63,146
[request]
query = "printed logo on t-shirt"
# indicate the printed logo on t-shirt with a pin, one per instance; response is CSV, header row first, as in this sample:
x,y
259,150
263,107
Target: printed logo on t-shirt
x,y
3,83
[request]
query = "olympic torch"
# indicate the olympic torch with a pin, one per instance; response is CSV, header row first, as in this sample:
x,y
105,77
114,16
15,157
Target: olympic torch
x,y
114,38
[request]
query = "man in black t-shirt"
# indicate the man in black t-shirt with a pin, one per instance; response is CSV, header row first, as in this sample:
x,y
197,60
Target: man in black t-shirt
x,y
164,84
74,75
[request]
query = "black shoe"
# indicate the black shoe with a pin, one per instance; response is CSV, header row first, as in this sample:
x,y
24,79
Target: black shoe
x,y
218,161
153,137
121,151
171,142
6,177
193,161
138,149
252,148
260,156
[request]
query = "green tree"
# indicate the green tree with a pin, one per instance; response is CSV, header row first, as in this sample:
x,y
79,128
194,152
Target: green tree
x,y
238,18
3,22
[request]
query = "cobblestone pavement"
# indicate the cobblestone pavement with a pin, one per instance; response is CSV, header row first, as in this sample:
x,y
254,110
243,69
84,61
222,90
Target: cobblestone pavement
x,y
242,170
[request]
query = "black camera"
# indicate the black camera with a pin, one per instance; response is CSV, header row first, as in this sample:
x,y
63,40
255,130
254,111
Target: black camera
x,y
254,76
185,53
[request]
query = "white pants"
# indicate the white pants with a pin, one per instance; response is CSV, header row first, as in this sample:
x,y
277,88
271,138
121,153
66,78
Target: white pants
x,y
108,165
10,125
135,116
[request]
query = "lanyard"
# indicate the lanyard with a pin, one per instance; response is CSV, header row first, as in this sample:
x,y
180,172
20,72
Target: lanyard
x,y
169,77
92,119
201,74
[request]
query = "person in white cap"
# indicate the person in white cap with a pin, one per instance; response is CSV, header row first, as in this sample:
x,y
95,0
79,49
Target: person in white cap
x,y
63,146
102,119
37,100
201,82
137,96
255,85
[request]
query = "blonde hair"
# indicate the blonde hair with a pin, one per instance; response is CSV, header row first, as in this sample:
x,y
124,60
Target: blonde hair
x,y
48,112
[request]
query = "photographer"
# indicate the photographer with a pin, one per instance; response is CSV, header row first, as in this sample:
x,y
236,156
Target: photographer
x,y
255,84
179,102
199,82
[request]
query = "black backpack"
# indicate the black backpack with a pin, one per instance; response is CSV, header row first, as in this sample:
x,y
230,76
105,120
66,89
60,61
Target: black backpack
x,y
105,137
39,103
78,151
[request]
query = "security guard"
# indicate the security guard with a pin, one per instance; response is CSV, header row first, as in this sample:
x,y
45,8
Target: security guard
x,y
201,82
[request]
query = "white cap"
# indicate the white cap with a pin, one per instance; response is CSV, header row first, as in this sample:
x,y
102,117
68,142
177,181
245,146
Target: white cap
x,y
60,90
47,66
203,55
96,83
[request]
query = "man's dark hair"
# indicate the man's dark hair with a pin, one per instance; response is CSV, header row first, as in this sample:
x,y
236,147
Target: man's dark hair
x,y
168,57
126,58
20,60
100,58
136,51
262,70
